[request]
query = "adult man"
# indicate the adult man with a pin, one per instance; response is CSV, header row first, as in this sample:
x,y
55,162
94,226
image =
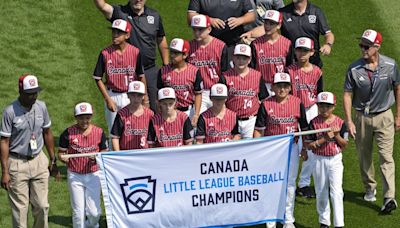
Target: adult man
x,y
303,19
25,128
147,32
372,86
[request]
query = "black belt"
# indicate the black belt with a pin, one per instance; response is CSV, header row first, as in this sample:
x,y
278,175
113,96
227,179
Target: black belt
x,y
20,156
149,66
374,113
115,91
183,109
245,118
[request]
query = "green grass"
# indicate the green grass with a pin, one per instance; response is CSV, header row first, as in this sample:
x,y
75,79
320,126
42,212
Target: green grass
x,y
59,41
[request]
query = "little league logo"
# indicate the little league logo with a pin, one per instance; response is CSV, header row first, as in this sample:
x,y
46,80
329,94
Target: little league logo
x,y
270,14
32,82
324,97
302,41
136,86
196,21
83,108
243,49
174,43
367,33
283,76
117,23
312,19
166,92
139,194
220,90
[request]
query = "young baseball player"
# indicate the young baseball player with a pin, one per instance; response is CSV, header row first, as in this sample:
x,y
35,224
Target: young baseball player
x,y
328,170
83,175
245,90
217,124
306,84
120,63
207,53
271,53
170,127
184,78
131,124
282,114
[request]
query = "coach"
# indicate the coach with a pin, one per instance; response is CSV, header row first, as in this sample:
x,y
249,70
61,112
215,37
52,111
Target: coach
x,y
147,33
372,86
303,19
25,128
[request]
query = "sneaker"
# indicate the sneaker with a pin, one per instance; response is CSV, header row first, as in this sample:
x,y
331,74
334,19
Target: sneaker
x,y
389,205
270,224
306,191
289,225
323,226
370,195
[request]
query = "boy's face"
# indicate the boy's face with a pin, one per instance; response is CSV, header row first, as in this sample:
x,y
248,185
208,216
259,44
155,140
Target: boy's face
x,y
303,55
177,57
200,34
167,106
217,102
240,61
83,121
271,27
119,37
281,89
135,98
325,110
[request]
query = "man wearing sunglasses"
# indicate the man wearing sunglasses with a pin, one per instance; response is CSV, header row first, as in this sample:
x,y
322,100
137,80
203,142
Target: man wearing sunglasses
x,y
372,86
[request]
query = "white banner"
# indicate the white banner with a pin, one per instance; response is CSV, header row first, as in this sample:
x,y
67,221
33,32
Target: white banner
x,y
221,184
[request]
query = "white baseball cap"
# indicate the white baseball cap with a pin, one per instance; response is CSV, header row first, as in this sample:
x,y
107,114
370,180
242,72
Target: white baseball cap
x,y
281,77
179,45
326,97
122,25
273,15
304,42
219,91
372,36
136,87
242,49
166,93
83,108
200,21
28,84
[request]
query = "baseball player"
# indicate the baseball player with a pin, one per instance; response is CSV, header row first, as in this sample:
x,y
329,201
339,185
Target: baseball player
x,y
217,124
170,127
271,53
306,84
245,89
328,171
121,63
282,114
184,78
83,175
131,124
207,53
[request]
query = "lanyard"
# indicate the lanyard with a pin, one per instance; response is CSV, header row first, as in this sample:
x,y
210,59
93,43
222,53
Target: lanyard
x,y
31,127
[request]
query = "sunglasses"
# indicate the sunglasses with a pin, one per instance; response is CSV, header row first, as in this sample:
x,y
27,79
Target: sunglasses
x,y
364,47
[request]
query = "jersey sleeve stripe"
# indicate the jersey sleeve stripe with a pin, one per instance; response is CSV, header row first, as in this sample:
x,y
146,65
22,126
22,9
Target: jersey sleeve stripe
x,y
5,134
96,77
47,125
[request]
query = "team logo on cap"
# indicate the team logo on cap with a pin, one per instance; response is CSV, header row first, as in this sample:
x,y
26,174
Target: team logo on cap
x,y
32,82
324,97
174,43
283,76
302,41
270,14
166,92
117,23
220,90
243,49
367,33
196,21
136,86
83,108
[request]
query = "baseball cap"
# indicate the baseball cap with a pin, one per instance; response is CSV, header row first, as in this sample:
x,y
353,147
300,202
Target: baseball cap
x,y
166,93
371,36
273,15
28,84
242,49
219,91
200,21
304,42
281,77
121,25
136,87
179,45
326,97
83,108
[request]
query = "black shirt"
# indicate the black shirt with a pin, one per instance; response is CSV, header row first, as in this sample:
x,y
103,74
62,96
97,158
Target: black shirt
x,y
311,24
146,28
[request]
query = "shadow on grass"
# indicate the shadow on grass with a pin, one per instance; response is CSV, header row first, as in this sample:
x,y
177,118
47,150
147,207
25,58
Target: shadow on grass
x,y
278,225
358,198
66,221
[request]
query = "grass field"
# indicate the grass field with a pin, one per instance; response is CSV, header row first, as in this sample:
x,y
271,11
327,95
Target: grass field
x,y
59,41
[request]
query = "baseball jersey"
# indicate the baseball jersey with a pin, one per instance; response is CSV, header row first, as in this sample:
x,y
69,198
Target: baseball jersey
x,y
185,83
244,93
131,130
211,129
281,118
72,141
120,69
211,59
305,85
271,58
331,147
168,134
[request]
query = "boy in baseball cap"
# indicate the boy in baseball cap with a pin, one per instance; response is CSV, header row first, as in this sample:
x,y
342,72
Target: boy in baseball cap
x,y
218,123
328,171
170,127
131,124
184,78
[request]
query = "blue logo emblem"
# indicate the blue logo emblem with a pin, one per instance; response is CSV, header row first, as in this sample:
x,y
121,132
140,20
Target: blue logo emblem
x,y
139,194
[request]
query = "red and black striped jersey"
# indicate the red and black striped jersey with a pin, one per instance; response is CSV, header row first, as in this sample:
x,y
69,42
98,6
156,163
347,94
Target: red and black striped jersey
x,y
132,130
120,69
72,141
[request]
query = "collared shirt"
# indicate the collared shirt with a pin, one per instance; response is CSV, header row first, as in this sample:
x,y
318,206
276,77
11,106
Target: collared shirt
x,y
311,24
261,6
378,91
20,125
146,29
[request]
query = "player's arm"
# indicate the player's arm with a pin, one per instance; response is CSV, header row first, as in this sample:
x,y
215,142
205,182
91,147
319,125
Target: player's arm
x,y
105,8
4,153
251,35
263,92
151,135
235,131
63,144
320,84
260,122
116,132
103,145
98,73
188,132
341,136
201,130
197,97
249,16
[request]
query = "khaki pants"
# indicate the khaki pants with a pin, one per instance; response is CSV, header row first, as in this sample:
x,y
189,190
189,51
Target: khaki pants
x,y
380,127
29,184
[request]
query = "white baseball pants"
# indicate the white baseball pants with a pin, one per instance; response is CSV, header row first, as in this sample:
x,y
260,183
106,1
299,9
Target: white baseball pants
x,y
246,127
206,102
121,100
291,188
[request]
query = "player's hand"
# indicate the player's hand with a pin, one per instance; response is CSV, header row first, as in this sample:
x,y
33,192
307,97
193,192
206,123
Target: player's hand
x,y
111,105
247,37
304,154
217,23
397,123
54,172
313,145
195,118
5,181
335,130
325,49
352,129
234,22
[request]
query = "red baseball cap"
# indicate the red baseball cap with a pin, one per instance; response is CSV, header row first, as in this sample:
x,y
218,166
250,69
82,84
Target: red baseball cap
x,y
179,45
200,21
121,25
